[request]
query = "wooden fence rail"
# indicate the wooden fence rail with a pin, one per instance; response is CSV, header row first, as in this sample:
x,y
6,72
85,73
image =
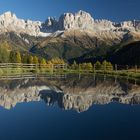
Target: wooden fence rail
x,y
21,65
64,67
20,68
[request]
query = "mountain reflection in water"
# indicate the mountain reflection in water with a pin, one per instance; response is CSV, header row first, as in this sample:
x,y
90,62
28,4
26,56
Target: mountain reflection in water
x,y
72,92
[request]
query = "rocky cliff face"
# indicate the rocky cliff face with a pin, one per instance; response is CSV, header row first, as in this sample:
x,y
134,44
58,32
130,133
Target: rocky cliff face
x,y
67,21
10,23
80,20
83,100
69,94
80,95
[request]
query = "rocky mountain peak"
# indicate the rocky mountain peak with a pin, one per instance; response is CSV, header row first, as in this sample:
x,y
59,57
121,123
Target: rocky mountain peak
x,y
67,21
80,20
83,14
8,18
9,14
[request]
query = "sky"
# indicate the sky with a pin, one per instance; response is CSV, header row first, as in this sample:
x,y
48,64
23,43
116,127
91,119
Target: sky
x,y
114,10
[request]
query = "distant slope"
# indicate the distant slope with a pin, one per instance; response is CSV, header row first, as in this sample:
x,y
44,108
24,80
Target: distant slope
x,y
21,42
127,54
78,45
73,44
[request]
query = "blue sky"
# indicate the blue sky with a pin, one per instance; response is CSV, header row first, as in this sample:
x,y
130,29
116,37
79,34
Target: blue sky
x,y
115,10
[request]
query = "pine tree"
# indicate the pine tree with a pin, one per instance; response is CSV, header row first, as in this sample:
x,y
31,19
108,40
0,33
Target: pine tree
x,y
104,65
43,61
30,59
12,57
109,66
25,58
74,65
4,55
35,60
98,65
57,61
89,66
17,57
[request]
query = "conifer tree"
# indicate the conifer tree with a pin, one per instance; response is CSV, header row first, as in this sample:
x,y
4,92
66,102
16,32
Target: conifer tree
x,y
25,58
89,66
12,57
74,65
43,61
35,60
98,65
30,59
17,57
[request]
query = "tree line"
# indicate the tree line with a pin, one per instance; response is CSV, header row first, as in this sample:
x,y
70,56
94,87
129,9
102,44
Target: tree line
x,y
23,57
105,65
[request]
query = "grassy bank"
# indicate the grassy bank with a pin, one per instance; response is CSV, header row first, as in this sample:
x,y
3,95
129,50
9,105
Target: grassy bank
x,y
32,70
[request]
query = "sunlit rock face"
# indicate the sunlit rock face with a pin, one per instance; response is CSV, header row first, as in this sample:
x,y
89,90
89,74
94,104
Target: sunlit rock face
x,y
9,98
81,21
100,95
81,95
13,92
50,25
69,94
9,22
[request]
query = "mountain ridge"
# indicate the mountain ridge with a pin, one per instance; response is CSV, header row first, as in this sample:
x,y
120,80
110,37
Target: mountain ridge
x,y
67,21
70,37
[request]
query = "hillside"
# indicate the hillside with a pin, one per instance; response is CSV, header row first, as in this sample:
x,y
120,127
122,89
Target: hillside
x,y
72,37
127,54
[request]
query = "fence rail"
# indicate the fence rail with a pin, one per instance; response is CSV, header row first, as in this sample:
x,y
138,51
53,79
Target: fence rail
x,y
6,67
20,68
21,65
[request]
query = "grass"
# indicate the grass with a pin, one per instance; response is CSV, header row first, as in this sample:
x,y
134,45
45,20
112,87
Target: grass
x,y
19,70
120,73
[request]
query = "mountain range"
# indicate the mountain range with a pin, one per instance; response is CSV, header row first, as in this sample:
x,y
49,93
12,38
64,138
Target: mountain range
x,y
71,93
76,36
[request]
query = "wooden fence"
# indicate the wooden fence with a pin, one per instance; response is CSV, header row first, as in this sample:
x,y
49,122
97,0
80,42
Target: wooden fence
x,y
63,67
108,69
33,66
19,68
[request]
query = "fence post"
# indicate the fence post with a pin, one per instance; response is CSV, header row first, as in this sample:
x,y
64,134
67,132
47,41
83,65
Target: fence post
x,y
127,68
36,67
116,67
105,68
52,68
136,68
6,69
94,67
79,68
66,67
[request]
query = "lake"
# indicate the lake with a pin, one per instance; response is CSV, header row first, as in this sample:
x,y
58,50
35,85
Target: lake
x,y
69,107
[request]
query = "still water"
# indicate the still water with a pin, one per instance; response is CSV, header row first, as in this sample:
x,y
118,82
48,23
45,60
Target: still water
x,y
69,107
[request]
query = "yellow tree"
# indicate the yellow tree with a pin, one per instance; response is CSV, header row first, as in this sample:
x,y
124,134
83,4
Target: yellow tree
x,y
74,65
83,66
89,66
43,64
35,60
104,65
109,66
57,61
30,59
98,65
43,61
18,57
